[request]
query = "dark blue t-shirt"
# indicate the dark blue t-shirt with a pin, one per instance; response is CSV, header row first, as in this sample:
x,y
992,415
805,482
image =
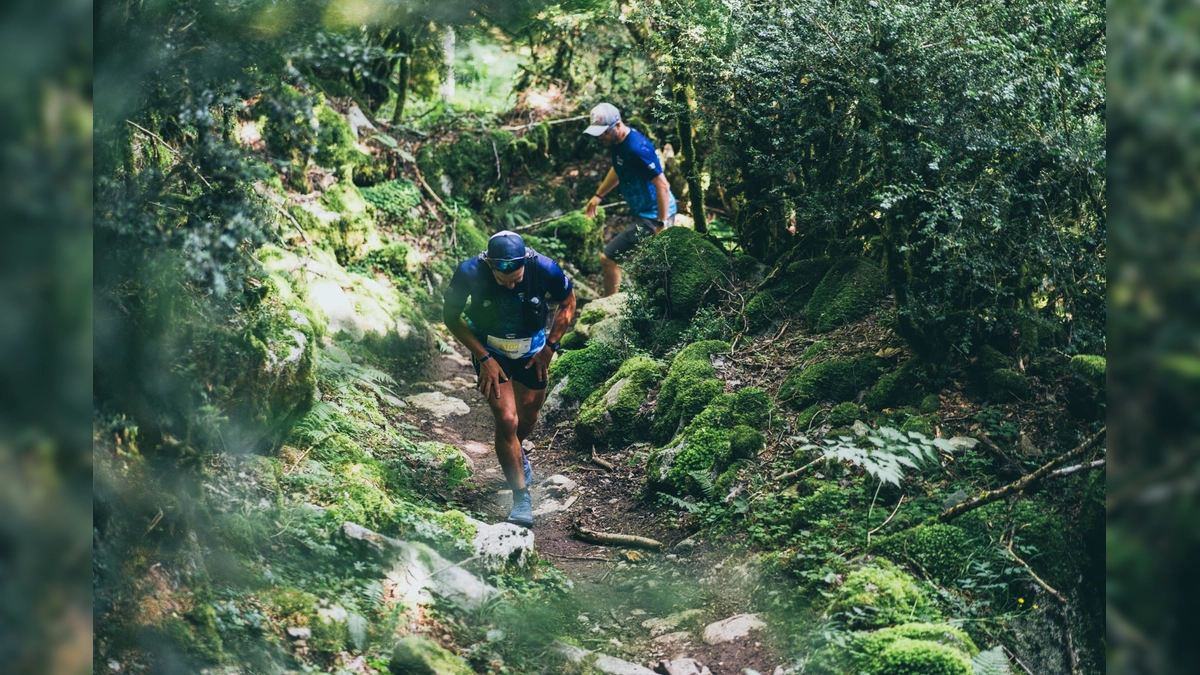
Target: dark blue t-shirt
x,y
494,313
636,165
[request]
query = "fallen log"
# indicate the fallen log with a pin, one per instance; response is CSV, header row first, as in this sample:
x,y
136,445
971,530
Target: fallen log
x,y
609,539
600,462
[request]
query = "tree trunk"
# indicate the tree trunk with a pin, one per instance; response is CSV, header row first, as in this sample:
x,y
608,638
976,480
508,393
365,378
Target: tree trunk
x,y
448,56
687,148
402,77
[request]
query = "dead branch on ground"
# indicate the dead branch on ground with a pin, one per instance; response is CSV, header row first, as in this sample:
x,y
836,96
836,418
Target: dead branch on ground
x,y
610,539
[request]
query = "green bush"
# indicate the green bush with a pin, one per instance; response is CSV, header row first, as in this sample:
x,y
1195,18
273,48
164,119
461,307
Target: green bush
x,y
918,657
396,199
863,652
829,380
847,293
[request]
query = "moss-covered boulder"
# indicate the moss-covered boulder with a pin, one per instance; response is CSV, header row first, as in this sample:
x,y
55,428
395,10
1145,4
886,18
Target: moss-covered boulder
x,y
336,145
417,655
846,293
930,404
878,595
600,319
678,271
689,387
788,294
578,236
398,261
745,442
1005,385
707,443
844,414
341,222
907,649
576,373
1091,369
610,418
922,424
900,387
828,381
943,550
450,462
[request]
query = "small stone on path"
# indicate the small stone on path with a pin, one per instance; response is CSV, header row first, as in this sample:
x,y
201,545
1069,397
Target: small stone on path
x,y
682,666
559,485
439,404
684,547
733,628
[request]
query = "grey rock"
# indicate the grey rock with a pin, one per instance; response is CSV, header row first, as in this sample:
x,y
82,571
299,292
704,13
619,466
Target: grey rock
x,y
559,485
438,404
502,545
734,628
682,666
610,665
685,547
860,428
961,443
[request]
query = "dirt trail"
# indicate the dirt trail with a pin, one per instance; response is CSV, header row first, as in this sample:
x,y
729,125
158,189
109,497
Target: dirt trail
x,y
624,589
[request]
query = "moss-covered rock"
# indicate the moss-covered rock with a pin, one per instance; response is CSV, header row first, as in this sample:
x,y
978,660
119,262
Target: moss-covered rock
x,y
829,380
847,293
990,359
575,374
601,319
689,387
417,655
1092,369
805,417
942,649
902,386
470,237
1007,385
336,146
579,237
878,595
844,414
447,459
341,222
398,261
747,267
610,417
745,442
930,404
827,499
943,550
677,269
919,423
195,634
788,295
815,349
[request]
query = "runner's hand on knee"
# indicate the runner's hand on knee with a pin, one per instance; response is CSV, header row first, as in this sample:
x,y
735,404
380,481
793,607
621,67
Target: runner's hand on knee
x,y
542,361
491,375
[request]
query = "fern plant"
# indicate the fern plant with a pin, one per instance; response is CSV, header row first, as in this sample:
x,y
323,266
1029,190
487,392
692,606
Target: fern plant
x,y
886,454
991,662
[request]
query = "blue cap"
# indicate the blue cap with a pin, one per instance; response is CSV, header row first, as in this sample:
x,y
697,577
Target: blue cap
x,y
506,246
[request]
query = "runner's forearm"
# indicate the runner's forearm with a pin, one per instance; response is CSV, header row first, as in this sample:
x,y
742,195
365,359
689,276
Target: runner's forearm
x,y
462,332
662,195
562,318
606,186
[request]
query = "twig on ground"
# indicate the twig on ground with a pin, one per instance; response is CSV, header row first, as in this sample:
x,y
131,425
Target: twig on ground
x,y
1013,656
610,539
600,462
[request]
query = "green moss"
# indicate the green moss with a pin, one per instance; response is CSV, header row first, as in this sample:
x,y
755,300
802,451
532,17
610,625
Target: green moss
x,y
746,267
847,293
1007,385
196,634
609,417
573,340
919,424
918,657
704,449
829,380
788,294
397,200
584,369
336,143
990,359
762,310
341,222
1048,541
750,406
591,316
447,459
931,404
330,630
677,269
580,238
942,550
688,388
1092,369
469,235
745,442
705,445
398,261
805,418
879,595
815,349
417,655
844,414
902,386
862,652
826,500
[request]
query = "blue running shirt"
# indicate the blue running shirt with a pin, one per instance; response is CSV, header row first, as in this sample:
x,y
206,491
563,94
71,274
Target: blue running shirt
x,y
636,165
494,313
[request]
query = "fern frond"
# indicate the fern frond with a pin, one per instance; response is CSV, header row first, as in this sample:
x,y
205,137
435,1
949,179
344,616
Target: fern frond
x,y
705,482
690,507
991,662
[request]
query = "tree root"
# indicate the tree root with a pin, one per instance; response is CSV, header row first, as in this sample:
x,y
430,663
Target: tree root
x,y
607,539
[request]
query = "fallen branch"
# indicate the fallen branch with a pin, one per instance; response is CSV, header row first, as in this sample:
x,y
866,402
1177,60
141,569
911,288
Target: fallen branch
x,y
1078,467
799,471
608,539
996,449
600,462
1040,582
1018,485
530,125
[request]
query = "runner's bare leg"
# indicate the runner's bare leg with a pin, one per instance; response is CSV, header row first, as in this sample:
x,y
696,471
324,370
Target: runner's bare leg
x,y
529,404
508,445
612,275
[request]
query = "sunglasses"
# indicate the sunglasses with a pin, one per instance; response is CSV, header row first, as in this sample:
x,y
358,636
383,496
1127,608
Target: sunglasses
x,y
506,266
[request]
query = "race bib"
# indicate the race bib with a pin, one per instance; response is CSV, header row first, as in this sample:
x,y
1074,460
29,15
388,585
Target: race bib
x,y
513,348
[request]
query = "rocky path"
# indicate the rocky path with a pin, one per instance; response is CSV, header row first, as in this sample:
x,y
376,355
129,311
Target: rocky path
x,y
680,612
